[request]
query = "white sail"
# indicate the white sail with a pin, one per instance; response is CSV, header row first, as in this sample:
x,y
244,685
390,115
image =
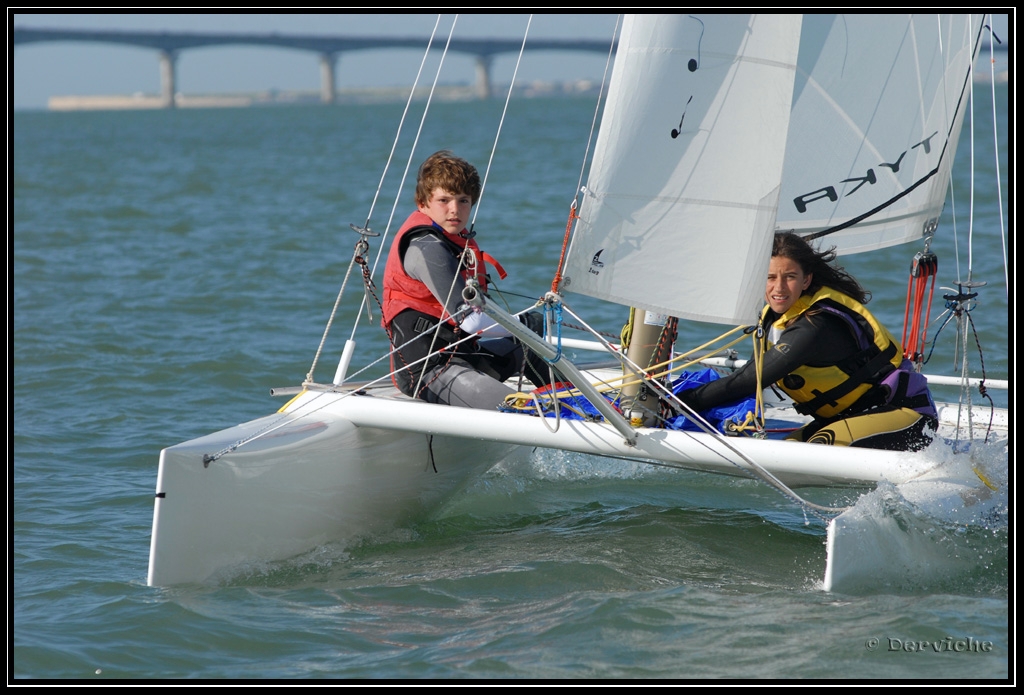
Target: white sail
x,y
712,139
680,206
877,109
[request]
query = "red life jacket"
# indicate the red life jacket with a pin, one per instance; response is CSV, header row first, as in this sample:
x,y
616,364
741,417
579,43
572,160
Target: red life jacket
x,y
402,292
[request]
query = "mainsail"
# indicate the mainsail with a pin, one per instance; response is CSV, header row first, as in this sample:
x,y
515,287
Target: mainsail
x,y
877,109
721,129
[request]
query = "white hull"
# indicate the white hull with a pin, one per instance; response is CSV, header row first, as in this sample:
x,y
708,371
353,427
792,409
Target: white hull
x,y
325,471
314,480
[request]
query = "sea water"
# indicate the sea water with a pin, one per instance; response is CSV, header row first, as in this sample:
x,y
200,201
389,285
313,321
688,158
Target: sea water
x,y
170,267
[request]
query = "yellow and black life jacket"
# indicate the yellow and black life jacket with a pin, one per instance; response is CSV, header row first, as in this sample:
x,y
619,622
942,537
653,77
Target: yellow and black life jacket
x,y
825,392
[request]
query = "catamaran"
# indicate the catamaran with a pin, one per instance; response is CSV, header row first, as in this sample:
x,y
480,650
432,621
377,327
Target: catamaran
x,y
841,128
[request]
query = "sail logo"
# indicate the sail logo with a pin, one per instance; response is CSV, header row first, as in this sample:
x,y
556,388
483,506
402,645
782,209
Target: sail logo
x,y
829,192
596,263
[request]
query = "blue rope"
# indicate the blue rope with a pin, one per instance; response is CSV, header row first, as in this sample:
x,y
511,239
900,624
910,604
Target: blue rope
x,y
936,338
956,304
556,311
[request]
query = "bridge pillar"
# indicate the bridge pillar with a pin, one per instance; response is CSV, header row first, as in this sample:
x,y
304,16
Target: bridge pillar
x,y
327,85
483,76
167,81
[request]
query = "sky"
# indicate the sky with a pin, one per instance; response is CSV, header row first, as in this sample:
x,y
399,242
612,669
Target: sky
x,y
59,69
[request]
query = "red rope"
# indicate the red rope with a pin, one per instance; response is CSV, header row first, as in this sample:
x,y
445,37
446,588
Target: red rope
x,y
557,280
915,321
906,310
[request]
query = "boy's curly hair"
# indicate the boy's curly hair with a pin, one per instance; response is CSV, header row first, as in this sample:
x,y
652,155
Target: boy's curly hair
x,y
450,173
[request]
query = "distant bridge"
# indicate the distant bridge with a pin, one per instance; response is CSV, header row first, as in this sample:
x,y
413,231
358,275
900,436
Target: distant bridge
x,y
169,44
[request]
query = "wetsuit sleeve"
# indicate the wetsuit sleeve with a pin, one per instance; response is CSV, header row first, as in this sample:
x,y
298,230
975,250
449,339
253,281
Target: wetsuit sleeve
x,y
814,341
428,260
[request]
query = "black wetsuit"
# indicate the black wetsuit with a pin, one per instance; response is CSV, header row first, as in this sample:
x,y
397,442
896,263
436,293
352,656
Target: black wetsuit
x,y
819,340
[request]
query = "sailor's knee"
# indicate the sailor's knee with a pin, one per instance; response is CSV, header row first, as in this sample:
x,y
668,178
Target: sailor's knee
x,y
836,434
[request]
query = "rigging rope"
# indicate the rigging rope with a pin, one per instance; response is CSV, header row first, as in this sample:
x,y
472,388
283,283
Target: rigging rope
x,y
360,249
759,345
924,266
501,121
996,151
361,245
961,303
749,466
556,281
468,259
419,132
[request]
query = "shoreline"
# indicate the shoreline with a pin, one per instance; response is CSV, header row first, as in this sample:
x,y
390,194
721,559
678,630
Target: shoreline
x,y
274,97
351,95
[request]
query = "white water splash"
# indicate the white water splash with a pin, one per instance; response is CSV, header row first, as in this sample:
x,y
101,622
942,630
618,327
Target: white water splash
x,y
941,525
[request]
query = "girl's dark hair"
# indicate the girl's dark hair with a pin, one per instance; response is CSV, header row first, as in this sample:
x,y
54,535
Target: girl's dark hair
x,y
818,264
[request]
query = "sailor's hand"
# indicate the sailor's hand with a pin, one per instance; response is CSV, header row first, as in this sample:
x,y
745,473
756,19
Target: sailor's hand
x,y
687,398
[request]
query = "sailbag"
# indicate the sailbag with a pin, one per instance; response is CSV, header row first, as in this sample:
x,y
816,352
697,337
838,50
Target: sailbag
x,y
721,129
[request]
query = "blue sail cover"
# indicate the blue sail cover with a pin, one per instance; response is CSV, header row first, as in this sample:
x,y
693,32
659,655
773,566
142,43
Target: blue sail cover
x,y
720,416
579,408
